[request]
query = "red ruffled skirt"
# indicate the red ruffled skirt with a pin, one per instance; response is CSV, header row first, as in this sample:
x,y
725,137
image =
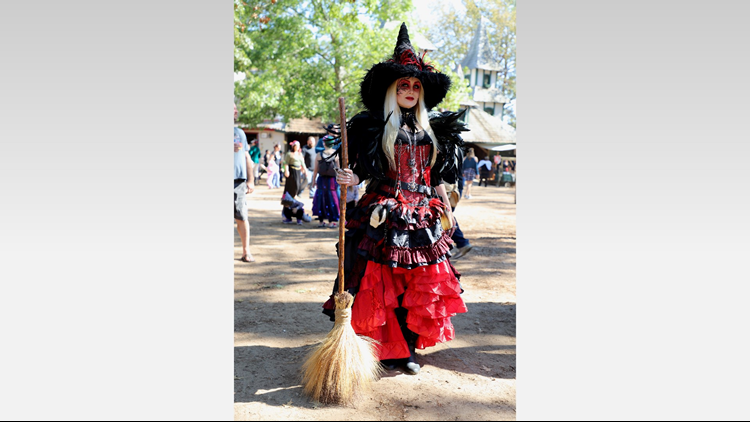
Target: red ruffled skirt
x,y
431,295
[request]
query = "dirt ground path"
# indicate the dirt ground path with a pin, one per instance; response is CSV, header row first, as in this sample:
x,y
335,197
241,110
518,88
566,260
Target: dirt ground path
x,y
278,319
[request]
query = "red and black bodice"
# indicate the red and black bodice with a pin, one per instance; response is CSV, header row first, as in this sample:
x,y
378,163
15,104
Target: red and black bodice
x,y
405,231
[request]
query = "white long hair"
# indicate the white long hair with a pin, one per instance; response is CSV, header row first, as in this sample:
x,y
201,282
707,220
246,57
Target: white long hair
x,y
394,124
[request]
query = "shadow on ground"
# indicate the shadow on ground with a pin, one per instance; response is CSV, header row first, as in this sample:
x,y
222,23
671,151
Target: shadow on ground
x,y
258,382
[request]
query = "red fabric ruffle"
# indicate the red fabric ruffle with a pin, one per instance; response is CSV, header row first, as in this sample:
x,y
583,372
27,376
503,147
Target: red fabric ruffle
x,y
406,255
431,295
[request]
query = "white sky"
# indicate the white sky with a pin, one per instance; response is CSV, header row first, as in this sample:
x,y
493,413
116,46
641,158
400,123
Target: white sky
x,y
425,8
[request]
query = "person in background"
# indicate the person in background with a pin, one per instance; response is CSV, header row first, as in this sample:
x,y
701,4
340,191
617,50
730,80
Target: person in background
x,y
263,164
293,208
278,156
272,180
485,171
463,246
294,169
508,177
243,170
308,151
498,172
352,194
326,201
461,243
333,132
470,171
255,157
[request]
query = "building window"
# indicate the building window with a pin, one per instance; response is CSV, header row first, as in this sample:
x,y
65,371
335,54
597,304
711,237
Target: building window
x,y
486,80
490,110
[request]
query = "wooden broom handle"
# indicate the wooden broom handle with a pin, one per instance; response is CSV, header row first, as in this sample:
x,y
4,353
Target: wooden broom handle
x,y
342,200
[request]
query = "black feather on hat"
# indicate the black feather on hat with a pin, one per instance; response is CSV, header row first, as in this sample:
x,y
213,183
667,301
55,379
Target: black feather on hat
x,y
405,63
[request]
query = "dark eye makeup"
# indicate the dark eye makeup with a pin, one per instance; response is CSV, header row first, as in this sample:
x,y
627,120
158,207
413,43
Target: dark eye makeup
x,y
405,85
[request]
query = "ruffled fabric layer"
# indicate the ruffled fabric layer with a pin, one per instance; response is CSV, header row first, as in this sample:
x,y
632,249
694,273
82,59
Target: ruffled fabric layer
x,y
431,294
405,255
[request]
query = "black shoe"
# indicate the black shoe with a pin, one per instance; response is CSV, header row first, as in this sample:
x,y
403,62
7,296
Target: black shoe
x,y
407,365
460,252
389,364
411,366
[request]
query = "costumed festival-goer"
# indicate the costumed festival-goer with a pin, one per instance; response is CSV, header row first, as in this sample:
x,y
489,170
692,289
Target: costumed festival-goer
x,y
326,199
294,170
398,234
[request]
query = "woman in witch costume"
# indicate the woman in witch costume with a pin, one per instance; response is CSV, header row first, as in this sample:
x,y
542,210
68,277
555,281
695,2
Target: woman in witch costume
x,y
398,234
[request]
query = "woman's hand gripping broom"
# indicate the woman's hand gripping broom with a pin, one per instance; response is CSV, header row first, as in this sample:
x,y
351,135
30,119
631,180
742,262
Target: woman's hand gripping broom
x,y
344,363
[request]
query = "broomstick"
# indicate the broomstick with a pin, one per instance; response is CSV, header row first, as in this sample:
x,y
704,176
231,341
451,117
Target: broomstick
x,y
344,363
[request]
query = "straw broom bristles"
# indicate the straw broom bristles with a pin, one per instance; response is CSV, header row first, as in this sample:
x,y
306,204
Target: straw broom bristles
x,y
344,363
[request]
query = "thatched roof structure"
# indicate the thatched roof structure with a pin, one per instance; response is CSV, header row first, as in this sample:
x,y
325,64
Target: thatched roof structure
x,y
486,128
306,126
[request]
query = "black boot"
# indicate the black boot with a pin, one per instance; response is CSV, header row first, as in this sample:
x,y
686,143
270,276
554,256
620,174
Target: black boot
x,y
412,367
409,364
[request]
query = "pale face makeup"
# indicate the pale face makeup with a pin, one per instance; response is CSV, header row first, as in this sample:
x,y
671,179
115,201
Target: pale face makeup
x,y
408,91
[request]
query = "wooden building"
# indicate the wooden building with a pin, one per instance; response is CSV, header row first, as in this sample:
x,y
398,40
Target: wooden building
x,y
485,105
272,132
482,76
301,129
486,131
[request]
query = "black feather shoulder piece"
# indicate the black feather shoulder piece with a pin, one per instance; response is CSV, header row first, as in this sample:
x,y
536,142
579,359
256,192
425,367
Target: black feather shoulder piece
x,y
447,127
364,133
366,157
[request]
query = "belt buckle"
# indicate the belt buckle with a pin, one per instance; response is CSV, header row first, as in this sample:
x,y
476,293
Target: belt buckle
x,y
411,186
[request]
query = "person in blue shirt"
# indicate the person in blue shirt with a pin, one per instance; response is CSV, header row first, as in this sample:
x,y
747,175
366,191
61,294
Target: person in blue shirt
x,y
243,171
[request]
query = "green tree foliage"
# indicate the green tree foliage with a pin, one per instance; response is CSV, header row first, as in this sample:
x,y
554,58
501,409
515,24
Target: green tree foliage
x,y
454,30
300,56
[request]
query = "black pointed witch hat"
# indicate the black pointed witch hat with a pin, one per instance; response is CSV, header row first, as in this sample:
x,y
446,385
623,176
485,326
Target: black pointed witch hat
x,y
405,63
